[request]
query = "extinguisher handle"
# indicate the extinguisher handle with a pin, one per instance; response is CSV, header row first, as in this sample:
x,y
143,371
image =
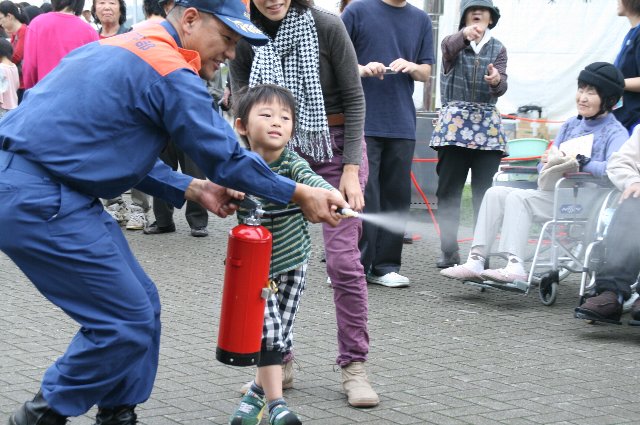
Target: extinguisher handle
x,y
281,213
248,203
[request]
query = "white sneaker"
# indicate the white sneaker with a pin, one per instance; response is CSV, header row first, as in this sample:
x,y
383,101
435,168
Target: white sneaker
x,y
137,218
503,276
390,280
118,211
626,307
461,273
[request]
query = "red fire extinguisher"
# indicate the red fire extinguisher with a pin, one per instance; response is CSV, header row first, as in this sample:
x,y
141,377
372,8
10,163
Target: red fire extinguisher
x,y
246,287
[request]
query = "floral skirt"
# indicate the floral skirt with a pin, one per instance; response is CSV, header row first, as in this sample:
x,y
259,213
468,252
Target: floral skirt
x,y
469,125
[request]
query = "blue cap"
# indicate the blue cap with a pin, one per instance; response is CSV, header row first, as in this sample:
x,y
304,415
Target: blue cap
x,y
233,13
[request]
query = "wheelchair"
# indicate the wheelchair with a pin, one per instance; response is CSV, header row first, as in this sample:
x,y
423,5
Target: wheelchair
x,y
578,211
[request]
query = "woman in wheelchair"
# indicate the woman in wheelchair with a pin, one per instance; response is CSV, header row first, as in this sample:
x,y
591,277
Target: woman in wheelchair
x,y
621,265
512,211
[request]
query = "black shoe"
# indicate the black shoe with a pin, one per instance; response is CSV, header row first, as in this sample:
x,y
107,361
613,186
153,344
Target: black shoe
x,y
36,412
448,259
122,415
154,229
199,232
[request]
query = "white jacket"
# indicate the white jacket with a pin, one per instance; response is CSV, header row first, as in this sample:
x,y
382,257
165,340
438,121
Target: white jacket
x,y
623,167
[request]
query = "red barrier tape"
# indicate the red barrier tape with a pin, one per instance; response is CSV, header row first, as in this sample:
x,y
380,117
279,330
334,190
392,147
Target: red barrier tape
x,y
515,117
426,201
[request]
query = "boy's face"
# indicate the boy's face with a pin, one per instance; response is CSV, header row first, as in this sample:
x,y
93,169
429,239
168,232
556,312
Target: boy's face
x,y
268,129
478,16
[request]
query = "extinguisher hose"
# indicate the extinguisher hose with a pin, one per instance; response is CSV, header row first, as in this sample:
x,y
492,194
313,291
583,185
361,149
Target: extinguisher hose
x,y
280,213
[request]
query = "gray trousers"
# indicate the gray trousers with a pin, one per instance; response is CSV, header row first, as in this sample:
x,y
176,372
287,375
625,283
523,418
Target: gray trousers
x,y
523,207
196,214
138,198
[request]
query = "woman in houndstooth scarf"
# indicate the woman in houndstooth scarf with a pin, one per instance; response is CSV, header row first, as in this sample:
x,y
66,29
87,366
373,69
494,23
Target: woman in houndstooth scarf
x,y
311,54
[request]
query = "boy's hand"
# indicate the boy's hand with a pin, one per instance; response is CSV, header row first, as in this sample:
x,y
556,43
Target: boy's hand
x,y
213,197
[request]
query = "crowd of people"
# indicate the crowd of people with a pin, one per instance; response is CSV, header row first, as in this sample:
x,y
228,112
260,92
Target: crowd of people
x,y
323,105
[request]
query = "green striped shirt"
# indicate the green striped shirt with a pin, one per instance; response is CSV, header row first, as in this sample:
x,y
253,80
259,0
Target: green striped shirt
x,y
291,240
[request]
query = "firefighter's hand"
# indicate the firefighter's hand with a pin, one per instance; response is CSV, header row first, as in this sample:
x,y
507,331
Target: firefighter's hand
x,y
318,204
213,197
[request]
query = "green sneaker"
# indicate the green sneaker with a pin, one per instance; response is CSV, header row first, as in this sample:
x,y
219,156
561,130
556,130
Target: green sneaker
x,y
249,411
281,415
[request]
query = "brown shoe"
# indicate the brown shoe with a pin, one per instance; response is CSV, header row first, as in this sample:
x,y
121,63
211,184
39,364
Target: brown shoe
x,y
357,387
602,308
287,375
287,378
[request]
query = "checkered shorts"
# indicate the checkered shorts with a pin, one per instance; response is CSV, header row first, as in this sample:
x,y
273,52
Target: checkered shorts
x,y
280,311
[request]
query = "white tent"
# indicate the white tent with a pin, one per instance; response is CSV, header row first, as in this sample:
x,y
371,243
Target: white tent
x,y
548,43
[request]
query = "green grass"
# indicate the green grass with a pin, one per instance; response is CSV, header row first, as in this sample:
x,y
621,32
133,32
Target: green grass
x,y
466,207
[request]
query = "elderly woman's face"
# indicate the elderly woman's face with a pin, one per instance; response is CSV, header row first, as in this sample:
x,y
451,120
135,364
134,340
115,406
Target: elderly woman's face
x,y
273,10
108,11
478,16
588,101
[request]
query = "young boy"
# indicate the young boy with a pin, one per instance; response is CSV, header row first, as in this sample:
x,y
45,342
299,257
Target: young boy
x,y
265,118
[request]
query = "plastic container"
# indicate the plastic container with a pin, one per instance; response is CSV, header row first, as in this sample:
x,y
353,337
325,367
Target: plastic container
x,y
525,148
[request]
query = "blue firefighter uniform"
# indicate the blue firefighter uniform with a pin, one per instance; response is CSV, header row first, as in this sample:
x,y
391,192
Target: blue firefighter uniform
x,y
91,129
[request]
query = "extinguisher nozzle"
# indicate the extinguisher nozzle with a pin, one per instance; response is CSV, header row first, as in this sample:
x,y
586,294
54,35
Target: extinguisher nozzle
x,y
347,212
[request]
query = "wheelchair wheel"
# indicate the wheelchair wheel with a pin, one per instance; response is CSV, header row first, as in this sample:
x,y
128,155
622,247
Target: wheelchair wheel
x,y
548,289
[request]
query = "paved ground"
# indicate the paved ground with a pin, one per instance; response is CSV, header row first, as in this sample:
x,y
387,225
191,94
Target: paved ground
x,y
441,352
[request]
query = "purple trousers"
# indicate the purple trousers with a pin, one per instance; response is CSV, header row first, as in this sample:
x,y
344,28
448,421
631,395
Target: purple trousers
x,y
344,267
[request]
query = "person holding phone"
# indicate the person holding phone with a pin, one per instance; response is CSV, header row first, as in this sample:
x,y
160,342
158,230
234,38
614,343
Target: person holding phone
x,y
390,61
468,134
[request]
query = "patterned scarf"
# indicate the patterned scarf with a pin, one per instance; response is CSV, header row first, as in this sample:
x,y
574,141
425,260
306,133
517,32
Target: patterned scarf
x,y
292,60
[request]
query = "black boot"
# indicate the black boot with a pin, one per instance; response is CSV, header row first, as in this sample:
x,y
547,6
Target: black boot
x,y
448,259
121,415
37,412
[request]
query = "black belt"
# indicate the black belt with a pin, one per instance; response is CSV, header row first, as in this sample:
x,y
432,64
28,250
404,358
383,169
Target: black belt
x,y
16,162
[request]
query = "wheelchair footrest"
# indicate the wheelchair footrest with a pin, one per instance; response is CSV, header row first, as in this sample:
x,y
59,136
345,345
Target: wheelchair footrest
x,y
517,286
583,314
481,285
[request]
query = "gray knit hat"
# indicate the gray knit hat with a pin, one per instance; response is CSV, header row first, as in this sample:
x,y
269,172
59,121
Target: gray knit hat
x,y
487,4
607,79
